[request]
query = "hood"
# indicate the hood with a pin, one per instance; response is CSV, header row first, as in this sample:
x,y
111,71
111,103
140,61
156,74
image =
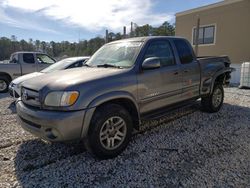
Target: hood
x,y
60,80
21,79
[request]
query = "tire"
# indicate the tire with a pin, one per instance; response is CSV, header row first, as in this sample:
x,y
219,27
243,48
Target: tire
x,y
4,84
214,101
110,131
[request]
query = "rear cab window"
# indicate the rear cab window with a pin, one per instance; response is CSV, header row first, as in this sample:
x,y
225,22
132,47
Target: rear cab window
x,y
28,58
184,50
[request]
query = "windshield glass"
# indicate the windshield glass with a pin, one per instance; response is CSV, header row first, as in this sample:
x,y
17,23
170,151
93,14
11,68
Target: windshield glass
x,y
121,54
60,65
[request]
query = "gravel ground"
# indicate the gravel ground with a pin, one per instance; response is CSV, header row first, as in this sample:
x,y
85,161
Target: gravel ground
x,y
188,148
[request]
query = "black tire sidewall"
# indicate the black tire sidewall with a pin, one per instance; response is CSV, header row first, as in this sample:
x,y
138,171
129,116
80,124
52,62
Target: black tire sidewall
x,y
216,109
207,102
7,83
100,116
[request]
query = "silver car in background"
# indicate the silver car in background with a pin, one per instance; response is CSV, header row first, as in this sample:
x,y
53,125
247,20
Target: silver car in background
x,y
68,63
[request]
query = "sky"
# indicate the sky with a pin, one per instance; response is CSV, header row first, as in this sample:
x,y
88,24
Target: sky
x,y
71,20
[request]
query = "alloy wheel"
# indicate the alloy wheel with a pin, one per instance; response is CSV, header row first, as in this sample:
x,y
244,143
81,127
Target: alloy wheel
x,y
113,133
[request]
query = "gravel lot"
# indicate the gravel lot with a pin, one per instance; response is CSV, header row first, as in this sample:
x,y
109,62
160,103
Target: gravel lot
x,y
188,148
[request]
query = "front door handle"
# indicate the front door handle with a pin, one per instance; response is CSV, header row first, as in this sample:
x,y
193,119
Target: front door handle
x,y
186,70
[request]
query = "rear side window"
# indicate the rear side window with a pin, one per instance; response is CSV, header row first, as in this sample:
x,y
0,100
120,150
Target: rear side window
x,y
75,65
163,51
28,58
184,51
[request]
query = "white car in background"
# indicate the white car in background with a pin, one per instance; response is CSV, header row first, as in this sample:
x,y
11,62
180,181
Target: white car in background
x,y
68,63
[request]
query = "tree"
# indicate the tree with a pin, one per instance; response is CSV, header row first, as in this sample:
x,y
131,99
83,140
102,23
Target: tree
x,y
166,29
37,45
82,48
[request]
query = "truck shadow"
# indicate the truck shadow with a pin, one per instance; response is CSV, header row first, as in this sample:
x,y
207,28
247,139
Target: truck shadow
x,y
12,107
35,157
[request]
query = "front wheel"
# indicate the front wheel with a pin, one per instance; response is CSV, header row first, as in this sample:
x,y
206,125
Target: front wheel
x,y
110,131
214,101
4,84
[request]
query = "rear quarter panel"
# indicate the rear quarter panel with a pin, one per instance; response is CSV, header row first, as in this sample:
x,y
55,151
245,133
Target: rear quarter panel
x,y
210,67
12,69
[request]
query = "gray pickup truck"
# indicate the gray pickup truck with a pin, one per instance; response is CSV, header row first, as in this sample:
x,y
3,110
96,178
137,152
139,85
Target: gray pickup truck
x,y
123,83
22,63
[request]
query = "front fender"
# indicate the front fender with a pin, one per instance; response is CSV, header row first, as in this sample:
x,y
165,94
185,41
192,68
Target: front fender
x,y
111,96
100,100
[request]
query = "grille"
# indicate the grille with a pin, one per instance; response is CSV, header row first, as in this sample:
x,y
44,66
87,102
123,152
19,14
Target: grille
x,y
30,97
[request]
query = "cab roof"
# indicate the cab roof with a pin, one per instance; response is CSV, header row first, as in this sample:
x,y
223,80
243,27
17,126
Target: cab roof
x,y
144,39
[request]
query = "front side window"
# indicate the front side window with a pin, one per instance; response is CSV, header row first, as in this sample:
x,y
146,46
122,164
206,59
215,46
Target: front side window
x,y
28,58
14,58
206,35
163,51
184,51
42,58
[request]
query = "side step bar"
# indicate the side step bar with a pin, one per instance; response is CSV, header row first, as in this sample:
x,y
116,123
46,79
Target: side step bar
x,y
153,115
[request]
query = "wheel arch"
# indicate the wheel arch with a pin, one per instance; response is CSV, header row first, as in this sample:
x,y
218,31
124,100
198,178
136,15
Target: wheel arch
x,y
6,75
123,99
218,77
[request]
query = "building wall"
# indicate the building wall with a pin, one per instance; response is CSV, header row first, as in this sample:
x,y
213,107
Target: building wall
x,y
232,30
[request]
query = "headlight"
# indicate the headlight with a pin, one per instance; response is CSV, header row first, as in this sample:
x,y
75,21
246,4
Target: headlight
x,y
61,98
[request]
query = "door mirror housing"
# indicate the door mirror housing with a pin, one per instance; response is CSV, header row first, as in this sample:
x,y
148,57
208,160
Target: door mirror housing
x,y
151,63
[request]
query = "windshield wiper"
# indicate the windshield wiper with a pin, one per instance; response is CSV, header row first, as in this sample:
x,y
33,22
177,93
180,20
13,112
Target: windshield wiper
x,y
109,65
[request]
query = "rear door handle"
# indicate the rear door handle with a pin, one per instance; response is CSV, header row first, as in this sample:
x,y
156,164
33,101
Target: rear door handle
x,y
185,71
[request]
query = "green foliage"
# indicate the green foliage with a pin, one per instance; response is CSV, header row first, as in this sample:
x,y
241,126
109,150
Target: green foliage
x,y
54,49
166,29
82,48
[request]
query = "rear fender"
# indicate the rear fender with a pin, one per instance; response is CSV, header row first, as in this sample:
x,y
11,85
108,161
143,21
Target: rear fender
x,y
208,85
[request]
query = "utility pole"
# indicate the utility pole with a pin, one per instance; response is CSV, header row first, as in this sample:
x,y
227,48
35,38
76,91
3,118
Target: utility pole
x,y
79,36
124,32
197,36
107,36
131,30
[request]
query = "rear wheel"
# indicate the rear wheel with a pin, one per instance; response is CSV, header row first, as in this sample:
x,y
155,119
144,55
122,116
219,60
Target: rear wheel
x,y
214,101
4,84
110,131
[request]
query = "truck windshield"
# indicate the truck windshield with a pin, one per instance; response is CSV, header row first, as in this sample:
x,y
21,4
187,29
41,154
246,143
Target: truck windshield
x,y
116,55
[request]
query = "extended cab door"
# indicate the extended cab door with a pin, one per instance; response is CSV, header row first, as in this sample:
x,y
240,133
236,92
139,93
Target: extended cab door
x,y
43,61
190,69
28,64
162,86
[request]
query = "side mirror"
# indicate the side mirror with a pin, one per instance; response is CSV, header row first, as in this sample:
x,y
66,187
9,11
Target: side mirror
x,y
151,63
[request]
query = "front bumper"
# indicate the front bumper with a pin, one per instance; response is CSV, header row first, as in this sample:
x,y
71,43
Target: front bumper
x,y
53,126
